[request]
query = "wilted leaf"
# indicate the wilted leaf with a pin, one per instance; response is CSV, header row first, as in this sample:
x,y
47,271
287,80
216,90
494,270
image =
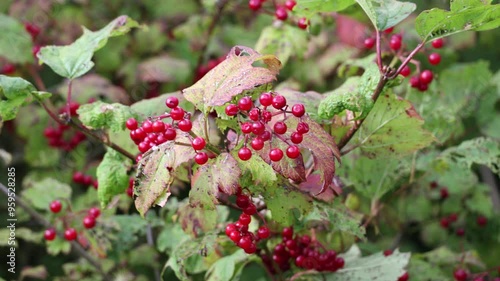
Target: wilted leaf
x,y
112,176
386,13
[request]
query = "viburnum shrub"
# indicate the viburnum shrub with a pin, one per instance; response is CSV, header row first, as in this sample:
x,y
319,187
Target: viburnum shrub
x,y
251,140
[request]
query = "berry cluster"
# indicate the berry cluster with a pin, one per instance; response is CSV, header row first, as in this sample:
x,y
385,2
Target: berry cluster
x,y
130,188
238,231
61,136
303,252
280,11
81,178
257,129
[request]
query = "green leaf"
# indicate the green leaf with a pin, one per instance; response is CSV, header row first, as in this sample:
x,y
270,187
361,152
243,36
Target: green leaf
x,y
480,202
112,176
74,60
392,128
465,15
196,220
386,13
231,77
420,270
285,212
487,114
100,115
308,8
41,193
58,246
126,232
283,42
171,236
224,268
15,42
14,92
261,173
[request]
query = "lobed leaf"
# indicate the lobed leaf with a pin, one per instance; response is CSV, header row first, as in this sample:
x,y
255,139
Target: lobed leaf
x,y
386,13
112,176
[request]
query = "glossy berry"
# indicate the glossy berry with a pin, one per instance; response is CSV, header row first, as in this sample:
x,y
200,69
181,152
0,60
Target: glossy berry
x,y
232,110
415,81
88,222
245,219
8,68
289,4
281,13
198,143
245,103
293,152
406,71
389,30
70,234
235,236
276,154
185,125
170,134
242,201
158,126
438,43
258,128
244,153
177,113
147,126
460,275
266,99
287,232
434,58
303,23
250,209
302,128
279,102
245,242
94,212
369,42
246,128
481,221
254,5
280,128
444,222
404,277
131,124
49,234
172,102
426,76
201,158
230,228
395,43
298,110
55,206
263,232
257,143
78,177
423,87
296,137
253,114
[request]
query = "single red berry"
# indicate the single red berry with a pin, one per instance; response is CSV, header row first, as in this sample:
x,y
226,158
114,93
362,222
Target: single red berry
x,y
246,128
302,128
70,234
258,128
460,275
281,13
389,30
35,50
369,42
8,68
404,277
131,124
130,191
177,113
423,87
296,137
298,110
305,239
266,99
434,58
280,128
460,232
244,153
254,5
265,136
426,77
139,134
482,221
94,212
32,29
50,234
245,103
245,242
147,126
293,151
201,158
433,184
78,177
250,210
443,192
245,219
55,206
185,125
339,262
158,126
405,71
172,102
276,154
303,23
438,43
235,236
242,201
287,232
444,222
263,232
289,4
143,147
279,102
395,43
230,228
170,134
257,143
88,222
253,114
198,143
387,252
232,109
415,81
251,249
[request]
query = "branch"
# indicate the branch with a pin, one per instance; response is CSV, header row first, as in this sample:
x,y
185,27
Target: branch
x,y
75,246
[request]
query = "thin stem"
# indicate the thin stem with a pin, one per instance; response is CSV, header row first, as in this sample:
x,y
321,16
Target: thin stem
x,y
76,247
68,100
407,60
208,146
379,51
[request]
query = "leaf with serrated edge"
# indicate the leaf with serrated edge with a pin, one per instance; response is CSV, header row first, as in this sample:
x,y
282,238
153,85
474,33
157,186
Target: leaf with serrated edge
x,y
386,13
112,176
231,77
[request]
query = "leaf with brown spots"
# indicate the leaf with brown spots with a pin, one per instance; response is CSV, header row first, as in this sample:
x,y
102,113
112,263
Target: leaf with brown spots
x,y
196,220
231,77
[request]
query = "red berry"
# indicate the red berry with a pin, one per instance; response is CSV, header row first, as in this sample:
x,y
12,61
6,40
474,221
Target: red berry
x,y
423,87
35,50
139,134
293,151
55,206
339,262
389,30
258,128
244,153
426,76
460,275
460,232
250,210
405,71
298,110
230,228
130,191
369,42
395,43
280,128
170,134
232,110
94,212
242,201
245,242
70,234
287,232
266,99
265,136
235,236
198,143
255,5
245,103
453,217
245,219
253,114
131,124
50,234
201,158
482,221
172,102
158,126
281,13
415,81
444,193
177,113
147,126
404,277
303,23
143,147
279,102
438,43
387,252
445,223
78,177
88,222
302,128
434,58
185,125
263,232
246,128
276,154
296,137
8,68
257,143
289,4
32,29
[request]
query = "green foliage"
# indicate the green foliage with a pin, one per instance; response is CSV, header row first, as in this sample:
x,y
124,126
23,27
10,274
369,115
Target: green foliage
x,y
283,42
307,8
15,92
386,13
112,176
100,115
41,193
15,42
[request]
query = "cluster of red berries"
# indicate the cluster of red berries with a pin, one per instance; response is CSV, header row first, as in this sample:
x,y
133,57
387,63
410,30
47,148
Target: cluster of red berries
x,y
303,252
204,69
61,136
70,234
81,178
238,231
130,188
281,11
258,130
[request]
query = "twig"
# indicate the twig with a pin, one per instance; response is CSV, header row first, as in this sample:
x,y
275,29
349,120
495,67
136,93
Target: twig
x,y
379,51
77,248
407,60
